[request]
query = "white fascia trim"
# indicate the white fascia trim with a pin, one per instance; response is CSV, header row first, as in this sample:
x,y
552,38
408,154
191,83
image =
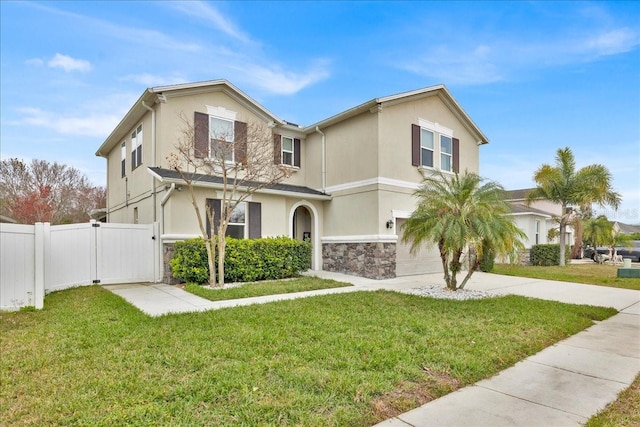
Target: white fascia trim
x,y
396,213
530,214
435,126
380,180
201,184
366,238
172,238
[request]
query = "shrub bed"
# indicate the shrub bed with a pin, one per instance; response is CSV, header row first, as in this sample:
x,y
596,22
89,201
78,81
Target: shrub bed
x,y
546,255
246,260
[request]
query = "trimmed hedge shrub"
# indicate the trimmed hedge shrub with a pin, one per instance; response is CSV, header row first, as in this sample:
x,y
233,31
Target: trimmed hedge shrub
x,y
488,258
189,262
245,260
545,255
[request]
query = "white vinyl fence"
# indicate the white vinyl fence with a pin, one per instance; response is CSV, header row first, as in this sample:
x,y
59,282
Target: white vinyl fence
x,y
37,259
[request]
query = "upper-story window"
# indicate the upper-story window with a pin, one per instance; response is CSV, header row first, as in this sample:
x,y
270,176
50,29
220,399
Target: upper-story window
x,y
434,147
287,150
123,158
426,148
221,138
136,147
446,153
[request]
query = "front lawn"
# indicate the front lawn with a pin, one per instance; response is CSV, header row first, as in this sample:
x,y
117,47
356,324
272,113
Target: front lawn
x,y
589,273
625,411
258,289
90,358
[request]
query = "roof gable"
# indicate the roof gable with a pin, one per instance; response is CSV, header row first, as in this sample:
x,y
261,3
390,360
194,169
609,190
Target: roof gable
x,y
440,91
159,95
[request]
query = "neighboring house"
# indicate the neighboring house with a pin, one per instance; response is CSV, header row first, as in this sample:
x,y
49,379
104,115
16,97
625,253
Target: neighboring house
x,y
620,227
536,219
353,177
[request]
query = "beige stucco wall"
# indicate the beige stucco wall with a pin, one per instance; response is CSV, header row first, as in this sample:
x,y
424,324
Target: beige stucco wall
x,y
134,190
376,145
352,150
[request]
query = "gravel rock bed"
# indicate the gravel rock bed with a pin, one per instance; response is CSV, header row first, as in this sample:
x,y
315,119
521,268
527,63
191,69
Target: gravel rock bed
x,y
435,291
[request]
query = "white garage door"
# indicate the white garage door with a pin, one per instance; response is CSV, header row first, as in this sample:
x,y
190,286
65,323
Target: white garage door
x,y
423,261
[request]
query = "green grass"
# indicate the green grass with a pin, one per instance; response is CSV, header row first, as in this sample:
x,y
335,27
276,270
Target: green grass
x,y
590,273
89,358
625,411
257,289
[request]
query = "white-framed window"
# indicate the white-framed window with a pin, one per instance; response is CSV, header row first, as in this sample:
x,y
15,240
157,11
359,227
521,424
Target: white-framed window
x,y
537,231
446,153
221,137
426,148
287,150
237,221
123,158
136,147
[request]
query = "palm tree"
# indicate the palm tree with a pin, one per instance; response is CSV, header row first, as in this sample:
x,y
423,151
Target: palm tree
x,y
598,231
461,213
564,185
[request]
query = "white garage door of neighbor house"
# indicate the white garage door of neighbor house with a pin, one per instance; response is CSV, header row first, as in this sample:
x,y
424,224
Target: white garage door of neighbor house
x,y
426,260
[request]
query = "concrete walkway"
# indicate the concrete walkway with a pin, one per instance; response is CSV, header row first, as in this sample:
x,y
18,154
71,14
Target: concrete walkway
x,y
563,385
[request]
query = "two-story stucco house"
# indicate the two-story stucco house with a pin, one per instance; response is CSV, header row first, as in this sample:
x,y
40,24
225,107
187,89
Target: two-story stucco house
x,y
353,173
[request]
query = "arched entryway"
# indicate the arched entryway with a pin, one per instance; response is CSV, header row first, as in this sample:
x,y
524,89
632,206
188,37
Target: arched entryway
x,y
303,224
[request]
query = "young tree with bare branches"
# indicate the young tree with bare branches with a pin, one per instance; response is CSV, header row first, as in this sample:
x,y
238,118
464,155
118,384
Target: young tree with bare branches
x,y
41,191
241,155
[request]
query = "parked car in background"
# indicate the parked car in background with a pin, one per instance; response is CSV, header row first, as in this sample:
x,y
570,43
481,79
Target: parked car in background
x,y
633,252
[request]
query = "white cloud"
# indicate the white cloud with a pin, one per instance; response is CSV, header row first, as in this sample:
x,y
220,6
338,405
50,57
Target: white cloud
x,y
488,61
207,12
278,81
68,63
151,80
92,124
612,42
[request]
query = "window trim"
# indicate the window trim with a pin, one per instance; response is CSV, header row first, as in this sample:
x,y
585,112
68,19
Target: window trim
x,y
123,159
212,139
443,153
283,151
136,146
243,224
432,149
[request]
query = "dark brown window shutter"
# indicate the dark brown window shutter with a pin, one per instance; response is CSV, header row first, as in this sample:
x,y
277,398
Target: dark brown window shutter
x,y
415,145
213,205
277,149
201,135
456,155
240,142
255,220
296,152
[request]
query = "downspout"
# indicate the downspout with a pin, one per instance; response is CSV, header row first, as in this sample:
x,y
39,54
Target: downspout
x,y
324,161
153,160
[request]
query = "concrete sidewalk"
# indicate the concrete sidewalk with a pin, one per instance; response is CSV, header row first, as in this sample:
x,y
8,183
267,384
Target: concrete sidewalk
x,y
563,385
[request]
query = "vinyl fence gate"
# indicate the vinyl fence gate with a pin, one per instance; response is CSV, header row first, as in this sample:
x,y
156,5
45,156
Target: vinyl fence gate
x,y
40,258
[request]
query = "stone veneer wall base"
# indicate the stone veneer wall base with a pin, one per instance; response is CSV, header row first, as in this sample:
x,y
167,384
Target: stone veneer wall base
x,y
374,260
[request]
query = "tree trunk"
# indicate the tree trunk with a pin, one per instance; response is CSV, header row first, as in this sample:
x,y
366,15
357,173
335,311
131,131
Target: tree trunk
x,y
563,228
445,266
576,250
211,256
222,245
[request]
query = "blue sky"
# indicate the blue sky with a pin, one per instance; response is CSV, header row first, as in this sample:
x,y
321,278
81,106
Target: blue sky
x,y
534,76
